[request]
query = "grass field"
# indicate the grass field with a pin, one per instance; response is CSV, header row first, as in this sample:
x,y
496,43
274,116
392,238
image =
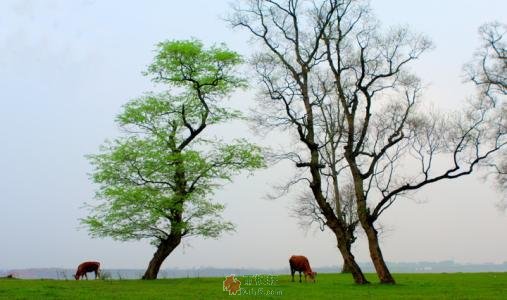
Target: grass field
x,y
328,286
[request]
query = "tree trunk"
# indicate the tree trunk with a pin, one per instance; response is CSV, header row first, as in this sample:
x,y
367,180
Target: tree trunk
x,y
164,249
363,213
350,261
350,239
346,268
335,224
376,256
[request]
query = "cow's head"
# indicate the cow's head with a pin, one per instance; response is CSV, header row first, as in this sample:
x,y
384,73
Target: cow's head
x,y
76,276
312,276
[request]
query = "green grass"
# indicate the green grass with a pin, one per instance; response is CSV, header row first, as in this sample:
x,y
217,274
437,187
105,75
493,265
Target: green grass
x,y
328,286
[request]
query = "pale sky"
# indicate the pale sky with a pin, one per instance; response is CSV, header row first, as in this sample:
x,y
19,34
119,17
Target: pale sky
x,y
66,67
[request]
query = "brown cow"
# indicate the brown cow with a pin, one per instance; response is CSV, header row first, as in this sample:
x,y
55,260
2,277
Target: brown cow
x,y
88,266
300,263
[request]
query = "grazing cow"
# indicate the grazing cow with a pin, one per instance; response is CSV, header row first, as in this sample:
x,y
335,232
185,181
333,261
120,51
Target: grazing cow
x,y
300,263
87,266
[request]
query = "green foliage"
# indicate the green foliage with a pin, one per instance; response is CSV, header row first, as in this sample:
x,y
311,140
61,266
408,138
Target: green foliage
x,y
188,64
328,286
158,178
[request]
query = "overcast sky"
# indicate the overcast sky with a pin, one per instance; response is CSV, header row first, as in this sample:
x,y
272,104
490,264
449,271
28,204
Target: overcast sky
x,y
66,67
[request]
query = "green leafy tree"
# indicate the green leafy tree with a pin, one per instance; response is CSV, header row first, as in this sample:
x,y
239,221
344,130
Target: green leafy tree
x,y
157,180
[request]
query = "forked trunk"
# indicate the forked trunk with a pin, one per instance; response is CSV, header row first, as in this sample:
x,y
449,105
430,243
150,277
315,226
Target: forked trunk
x,y
376,256
350,261
164,249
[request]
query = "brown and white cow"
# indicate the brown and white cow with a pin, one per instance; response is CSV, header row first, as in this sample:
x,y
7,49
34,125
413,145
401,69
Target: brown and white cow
x,y
86,267
300,263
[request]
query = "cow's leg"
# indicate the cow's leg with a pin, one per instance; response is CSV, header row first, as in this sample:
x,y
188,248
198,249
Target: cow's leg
x,y
86,275
299,276
292,271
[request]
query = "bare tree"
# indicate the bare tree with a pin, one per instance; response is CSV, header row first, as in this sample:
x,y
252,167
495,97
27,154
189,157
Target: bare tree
x,y
339,80
386,127
488,71
291,33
